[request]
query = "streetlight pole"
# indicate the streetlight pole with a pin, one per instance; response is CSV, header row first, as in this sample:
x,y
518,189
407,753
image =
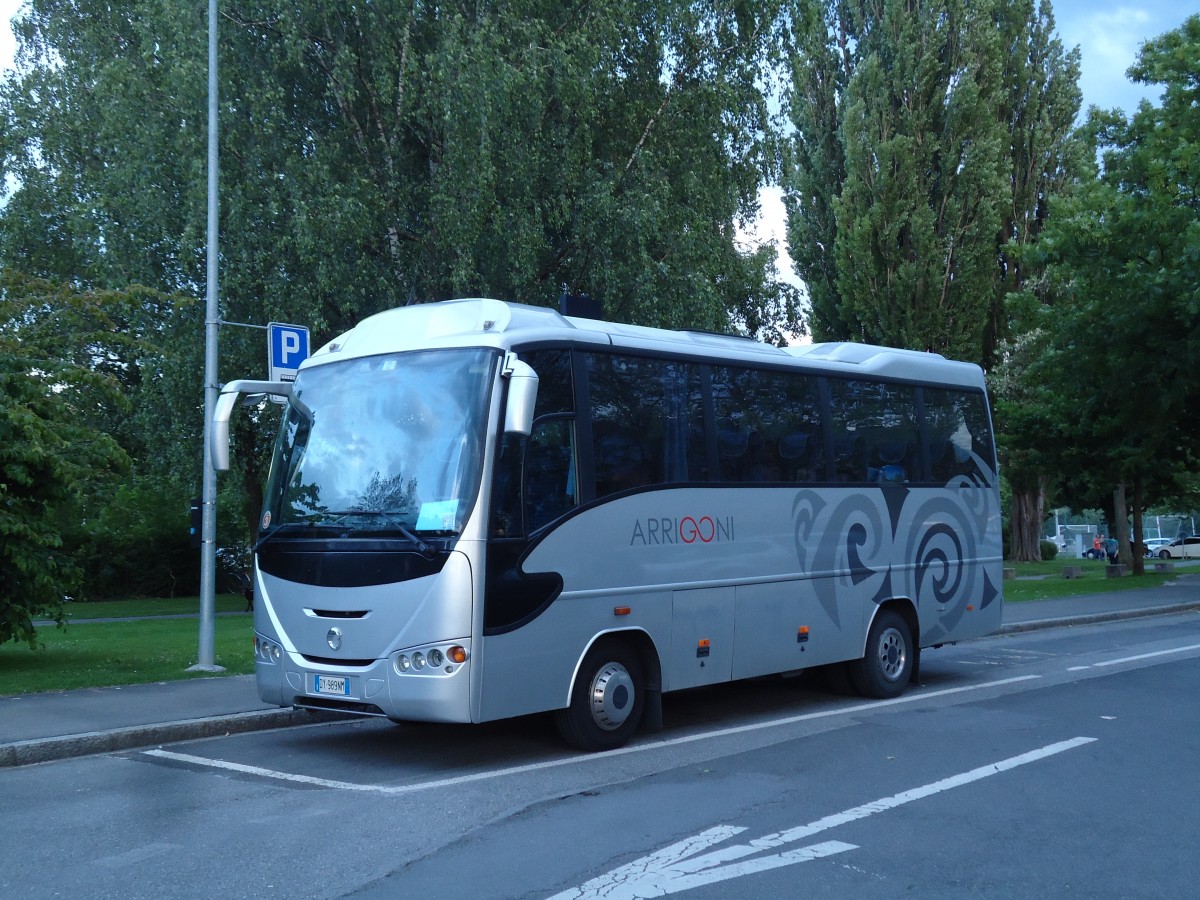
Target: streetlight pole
x,y
208,524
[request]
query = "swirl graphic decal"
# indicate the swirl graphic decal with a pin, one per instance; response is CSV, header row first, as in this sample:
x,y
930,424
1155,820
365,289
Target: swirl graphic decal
x,y
867,547
805,509
855,548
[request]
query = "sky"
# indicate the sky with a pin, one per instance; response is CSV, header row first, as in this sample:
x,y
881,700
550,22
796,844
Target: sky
x,y
1108,34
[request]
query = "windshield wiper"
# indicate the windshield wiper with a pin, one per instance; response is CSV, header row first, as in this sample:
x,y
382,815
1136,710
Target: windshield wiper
x,y
270,533
423,548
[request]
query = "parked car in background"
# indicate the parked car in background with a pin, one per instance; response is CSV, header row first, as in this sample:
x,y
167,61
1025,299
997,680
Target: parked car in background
x,y
1182,548
1153,545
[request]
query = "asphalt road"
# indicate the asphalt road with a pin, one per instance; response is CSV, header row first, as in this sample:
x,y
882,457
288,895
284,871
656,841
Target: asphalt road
x,y
1058,763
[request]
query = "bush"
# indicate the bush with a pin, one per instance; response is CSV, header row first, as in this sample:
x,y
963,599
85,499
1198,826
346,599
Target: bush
x,y
1049,550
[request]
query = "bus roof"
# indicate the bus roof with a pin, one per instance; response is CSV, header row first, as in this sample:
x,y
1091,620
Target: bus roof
x,y
481,322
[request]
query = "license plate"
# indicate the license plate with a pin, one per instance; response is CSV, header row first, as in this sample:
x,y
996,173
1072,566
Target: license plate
x,y
331,684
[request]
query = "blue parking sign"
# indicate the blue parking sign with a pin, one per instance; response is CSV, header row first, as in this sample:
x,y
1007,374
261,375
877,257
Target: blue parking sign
x,y
287,347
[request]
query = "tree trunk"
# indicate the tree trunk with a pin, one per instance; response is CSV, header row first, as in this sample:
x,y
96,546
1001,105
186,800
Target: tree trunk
x,y
1027,515
1139,534
1120,525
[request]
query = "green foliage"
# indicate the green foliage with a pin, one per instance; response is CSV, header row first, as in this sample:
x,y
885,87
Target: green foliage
x,y
1105,382
392,153
930,136
123,380
1049,550
48,449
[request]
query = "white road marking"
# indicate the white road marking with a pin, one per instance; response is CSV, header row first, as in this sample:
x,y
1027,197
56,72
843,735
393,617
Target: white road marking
x,y
569,760
1126,659
674,868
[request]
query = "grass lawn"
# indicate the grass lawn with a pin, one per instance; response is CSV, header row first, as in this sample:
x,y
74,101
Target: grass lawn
x,y
150,606
1045,581
88,655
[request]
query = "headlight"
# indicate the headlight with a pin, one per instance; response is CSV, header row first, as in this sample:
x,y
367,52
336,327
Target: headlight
x,y
431,661
267,651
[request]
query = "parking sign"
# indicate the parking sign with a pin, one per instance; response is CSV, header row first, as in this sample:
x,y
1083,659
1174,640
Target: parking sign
x,y
287,347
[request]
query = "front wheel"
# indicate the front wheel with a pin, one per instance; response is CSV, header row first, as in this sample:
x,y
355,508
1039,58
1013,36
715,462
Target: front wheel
x,y
886,667
1164,554
606,701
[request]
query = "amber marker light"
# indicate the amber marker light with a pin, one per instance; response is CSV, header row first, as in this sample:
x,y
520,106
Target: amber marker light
x,y
622,610
457,654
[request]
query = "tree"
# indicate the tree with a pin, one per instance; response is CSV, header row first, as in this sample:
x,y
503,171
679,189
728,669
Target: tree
x,y
930,135
1121,258
395,153
47,451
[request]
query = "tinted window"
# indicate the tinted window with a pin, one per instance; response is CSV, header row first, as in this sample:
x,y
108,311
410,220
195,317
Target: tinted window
x,y
647,422
545,461
960,438
875,434
551,487
768,426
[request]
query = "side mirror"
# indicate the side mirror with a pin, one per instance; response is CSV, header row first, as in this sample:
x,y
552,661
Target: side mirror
x,y
522,394
230,392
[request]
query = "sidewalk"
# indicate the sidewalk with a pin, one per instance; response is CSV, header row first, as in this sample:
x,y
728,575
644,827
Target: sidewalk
x,y
58,725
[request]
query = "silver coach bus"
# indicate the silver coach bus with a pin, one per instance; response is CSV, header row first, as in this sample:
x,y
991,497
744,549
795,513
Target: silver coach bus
x,y
479,510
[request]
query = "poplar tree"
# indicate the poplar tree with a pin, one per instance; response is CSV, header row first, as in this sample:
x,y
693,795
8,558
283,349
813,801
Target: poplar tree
x,y
929,136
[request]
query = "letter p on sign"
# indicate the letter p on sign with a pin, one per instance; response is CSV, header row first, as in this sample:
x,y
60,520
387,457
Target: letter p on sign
x,y
287,347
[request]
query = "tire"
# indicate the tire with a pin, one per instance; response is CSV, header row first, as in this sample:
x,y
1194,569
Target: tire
x,y
1164,554
606,701
886,668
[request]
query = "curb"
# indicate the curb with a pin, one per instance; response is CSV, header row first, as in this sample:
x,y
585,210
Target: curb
x,y
1096,618
39,750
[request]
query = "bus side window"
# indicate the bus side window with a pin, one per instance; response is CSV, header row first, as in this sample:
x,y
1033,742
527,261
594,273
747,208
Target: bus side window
x,y
506,487
555,404
876,438
550,481
645,429
959,436
766,423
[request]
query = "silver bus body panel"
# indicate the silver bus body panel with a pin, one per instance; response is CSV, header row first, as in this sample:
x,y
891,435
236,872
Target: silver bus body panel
x,y
744,569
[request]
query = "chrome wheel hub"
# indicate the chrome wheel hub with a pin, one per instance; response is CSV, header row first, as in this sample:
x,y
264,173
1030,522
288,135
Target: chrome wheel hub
x,y
892,655
612,696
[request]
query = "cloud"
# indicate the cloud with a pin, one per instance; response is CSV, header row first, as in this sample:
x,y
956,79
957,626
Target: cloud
x,y
1109,41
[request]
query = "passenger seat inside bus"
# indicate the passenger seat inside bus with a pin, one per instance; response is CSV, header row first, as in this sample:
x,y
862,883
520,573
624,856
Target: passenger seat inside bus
x,y
889,463
795,450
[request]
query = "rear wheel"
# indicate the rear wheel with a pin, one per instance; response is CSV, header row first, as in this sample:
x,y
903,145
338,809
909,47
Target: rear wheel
x,y
606,701
886,668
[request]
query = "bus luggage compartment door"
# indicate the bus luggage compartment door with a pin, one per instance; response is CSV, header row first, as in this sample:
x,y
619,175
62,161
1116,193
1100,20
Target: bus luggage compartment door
x,y
701,638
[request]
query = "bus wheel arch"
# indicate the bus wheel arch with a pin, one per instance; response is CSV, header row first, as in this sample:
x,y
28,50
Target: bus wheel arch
x,y
617,685
890,657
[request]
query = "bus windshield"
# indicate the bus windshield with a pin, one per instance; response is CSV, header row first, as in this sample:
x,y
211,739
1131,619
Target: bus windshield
x,y
383,444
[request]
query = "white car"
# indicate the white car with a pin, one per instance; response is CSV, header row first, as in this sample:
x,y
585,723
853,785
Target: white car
x,y
1153,545
1182,548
